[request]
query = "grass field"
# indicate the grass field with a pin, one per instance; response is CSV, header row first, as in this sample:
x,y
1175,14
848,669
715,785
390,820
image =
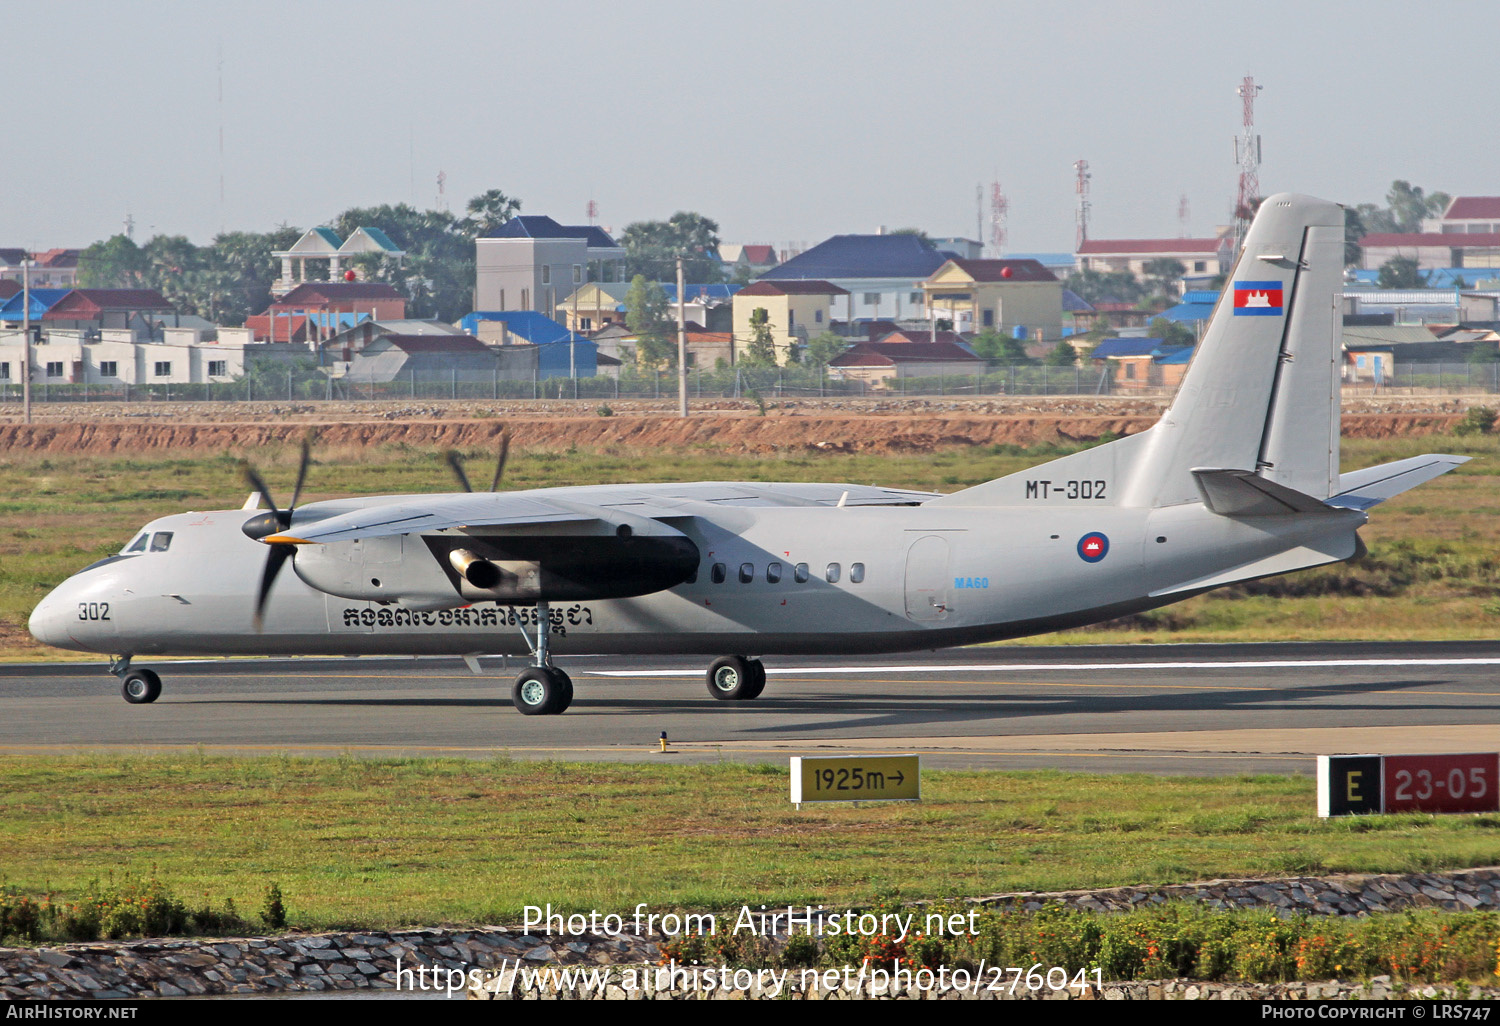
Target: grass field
x,y
1430,573
368,843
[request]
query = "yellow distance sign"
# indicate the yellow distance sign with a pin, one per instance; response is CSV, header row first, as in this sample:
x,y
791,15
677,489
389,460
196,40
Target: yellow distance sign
x,y
856,778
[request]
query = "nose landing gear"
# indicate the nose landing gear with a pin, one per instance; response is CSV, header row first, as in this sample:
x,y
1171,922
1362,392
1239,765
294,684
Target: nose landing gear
x,y
138,687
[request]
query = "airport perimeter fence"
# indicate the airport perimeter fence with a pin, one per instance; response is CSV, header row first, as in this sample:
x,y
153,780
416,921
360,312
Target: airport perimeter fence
x,y
762,384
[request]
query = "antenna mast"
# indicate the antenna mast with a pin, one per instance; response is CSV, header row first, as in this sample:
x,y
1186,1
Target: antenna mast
x,y
1081,186
999,209
1247,156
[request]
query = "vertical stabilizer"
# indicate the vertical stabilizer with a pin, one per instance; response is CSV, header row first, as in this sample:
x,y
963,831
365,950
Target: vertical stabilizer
x,y
1262,391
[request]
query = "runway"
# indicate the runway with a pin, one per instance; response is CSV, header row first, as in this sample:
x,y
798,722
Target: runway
x,y
1179,709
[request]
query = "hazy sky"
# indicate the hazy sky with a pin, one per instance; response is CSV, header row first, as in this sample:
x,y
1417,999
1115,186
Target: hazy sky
x,y
784,121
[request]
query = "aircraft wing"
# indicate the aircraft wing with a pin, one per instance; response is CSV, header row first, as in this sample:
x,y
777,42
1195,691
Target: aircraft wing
x,y
416,514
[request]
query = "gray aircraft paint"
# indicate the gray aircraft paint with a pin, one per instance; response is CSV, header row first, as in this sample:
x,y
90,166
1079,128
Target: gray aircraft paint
x,y
1238,480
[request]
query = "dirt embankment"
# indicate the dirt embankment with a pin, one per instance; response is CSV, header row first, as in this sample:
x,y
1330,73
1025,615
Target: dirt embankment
x,y
731,432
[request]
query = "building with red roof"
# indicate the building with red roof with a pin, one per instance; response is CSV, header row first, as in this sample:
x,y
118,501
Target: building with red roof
x,y
1197,256
877,364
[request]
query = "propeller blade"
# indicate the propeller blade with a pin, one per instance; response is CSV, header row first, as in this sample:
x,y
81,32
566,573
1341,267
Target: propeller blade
x,y
500,464
456,464
255,481
278,555
301,473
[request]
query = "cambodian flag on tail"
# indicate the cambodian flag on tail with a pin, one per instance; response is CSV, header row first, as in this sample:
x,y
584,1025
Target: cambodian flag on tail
x,y
1257,299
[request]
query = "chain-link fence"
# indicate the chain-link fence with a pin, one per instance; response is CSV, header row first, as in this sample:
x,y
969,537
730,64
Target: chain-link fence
x,y
765,384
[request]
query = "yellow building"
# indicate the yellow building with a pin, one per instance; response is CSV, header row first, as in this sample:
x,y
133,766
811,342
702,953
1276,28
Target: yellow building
x,y
996,295
796,311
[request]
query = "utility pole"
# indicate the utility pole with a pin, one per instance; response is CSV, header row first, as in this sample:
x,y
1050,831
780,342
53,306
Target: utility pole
x,y
682,407
26,338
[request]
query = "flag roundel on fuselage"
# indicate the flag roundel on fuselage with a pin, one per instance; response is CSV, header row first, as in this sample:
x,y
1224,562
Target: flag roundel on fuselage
x,y
1093,547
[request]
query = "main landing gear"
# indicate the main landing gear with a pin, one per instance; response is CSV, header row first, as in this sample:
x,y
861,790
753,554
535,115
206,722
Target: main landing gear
x,y
139,687
543,689
736,679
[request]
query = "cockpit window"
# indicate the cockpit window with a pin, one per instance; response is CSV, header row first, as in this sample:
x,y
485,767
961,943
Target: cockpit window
x,y
161,541
139,545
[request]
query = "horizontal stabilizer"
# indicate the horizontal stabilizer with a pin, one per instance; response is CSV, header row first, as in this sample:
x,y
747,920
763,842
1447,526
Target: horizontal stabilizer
x,y
1243,493
1361,489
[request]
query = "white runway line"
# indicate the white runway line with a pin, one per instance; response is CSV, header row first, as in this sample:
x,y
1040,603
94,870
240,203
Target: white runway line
x,y
1238,664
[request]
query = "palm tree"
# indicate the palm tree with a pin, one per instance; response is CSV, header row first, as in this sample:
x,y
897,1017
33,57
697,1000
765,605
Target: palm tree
x,y
489,210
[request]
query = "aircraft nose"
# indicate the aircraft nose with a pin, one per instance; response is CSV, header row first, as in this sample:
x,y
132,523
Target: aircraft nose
x,y
47,623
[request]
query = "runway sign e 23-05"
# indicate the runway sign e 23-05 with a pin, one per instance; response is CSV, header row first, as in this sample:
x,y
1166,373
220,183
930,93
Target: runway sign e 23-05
x,y
1352,785
856,778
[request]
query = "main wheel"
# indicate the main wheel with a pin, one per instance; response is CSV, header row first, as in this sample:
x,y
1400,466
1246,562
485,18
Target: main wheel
x,y
757,678
542,691
140,687
734,679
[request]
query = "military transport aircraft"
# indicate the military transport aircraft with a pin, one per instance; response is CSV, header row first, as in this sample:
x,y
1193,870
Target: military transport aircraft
x,y
1239,479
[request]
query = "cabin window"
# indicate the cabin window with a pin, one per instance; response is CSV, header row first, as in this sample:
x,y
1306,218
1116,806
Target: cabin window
x,y
161,541
773,573
692,578
747,573
800,574
856,573
139,545
832,573
717,573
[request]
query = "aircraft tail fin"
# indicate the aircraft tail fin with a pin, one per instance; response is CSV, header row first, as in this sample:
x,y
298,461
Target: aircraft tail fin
x,y
1261,395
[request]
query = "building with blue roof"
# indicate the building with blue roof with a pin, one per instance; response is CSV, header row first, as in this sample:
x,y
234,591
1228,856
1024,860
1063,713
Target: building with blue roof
x,y
532,263
882,274
560,353
13,310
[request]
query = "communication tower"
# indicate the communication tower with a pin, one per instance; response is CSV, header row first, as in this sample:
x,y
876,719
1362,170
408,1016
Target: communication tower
x,y
1247,156
999,210
1081,186
593,211
1182,216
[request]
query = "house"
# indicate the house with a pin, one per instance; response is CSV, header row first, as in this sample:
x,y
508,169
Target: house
x,y
50,269
877,364
879,275
1467,215
98,309
1197,256
561,353
795,310
1142,363
1432,250
996,295
920,336
355,337
329,306
323,243
433,359
12,311
751,260
532,262
598,304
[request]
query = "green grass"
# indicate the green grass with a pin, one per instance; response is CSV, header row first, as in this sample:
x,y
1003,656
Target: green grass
x,y
1431,573
385,843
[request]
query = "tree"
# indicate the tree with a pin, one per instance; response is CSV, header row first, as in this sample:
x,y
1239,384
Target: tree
x,y
488,211
116,263
821,349
760,351
1410,206
1172,333
1061,355
1163,275
1105,286
652,248
994,347
922,236
1401,273
646,317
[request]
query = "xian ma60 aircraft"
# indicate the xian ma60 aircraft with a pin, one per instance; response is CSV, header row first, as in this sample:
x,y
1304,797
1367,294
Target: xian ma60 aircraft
x,y
1238,480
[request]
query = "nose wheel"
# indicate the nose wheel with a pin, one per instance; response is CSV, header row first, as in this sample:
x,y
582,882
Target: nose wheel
x,y
736,679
